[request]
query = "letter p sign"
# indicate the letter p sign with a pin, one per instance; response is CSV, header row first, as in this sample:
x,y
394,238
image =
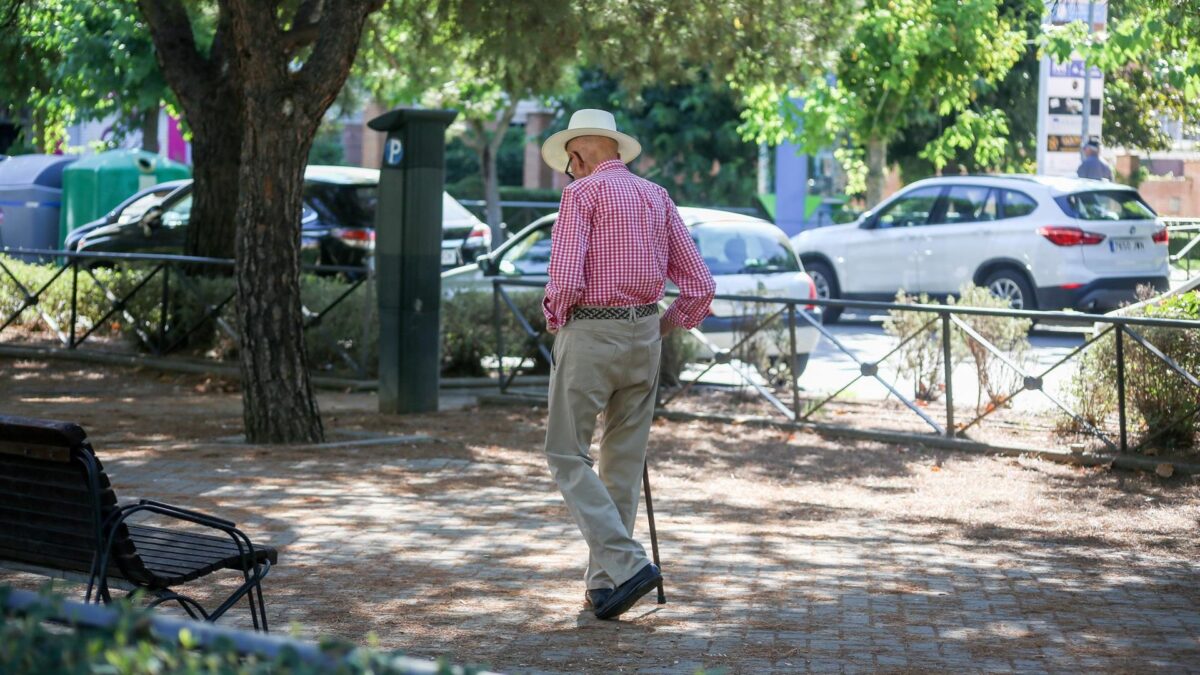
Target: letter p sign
x,y
393,152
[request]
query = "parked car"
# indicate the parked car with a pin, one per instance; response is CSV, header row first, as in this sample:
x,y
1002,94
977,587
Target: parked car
x,y
746,255
337,221
1041,242
129,211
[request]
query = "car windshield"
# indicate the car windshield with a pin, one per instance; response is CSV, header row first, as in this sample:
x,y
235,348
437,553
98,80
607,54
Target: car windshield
x,y
179,213
1107,205
530,255
742,248
349,206
138,208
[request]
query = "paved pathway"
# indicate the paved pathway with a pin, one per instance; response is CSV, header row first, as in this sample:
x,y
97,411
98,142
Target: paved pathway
x,y
782,553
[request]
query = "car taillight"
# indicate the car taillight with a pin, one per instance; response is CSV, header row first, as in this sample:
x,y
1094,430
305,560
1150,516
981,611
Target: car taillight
x,y
481,235
1070,236
358,238
1162,236
812,292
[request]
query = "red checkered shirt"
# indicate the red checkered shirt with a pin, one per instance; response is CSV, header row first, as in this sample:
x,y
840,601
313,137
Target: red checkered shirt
x,y
617,240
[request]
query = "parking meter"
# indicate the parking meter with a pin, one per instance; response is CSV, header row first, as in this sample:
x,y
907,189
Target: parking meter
x,y
408,242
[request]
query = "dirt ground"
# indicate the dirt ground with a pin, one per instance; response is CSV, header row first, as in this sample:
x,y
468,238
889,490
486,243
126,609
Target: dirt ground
x,y
783,551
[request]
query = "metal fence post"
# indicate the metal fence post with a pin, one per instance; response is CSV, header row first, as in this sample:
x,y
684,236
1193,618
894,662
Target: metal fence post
x,y
499,334
1120,336
949,377
792,364
74,301
162,317
368,305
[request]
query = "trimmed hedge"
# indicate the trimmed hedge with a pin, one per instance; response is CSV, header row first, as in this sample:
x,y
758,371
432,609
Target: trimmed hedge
x,y
468,333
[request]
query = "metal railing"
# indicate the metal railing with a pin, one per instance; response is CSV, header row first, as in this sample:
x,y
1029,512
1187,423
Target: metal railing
x,y
188,634
1185,237
160,299
945,319
517,214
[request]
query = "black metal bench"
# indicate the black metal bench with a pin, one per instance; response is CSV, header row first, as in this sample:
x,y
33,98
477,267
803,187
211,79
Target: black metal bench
x,y
60,517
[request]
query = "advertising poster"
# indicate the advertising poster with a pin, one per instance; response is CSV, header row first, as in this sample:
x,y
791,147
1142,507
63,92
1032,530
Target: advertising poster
x,y
1063,89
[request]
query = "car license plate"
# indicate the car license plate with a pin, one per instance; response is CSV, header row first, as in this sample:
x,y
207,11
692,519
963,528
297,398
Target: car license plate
x,y
1123,245
449,256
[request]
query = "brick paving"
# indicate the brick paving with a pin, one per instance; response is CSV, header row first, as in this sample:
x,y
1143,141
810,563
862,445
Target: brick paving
x,y
782,553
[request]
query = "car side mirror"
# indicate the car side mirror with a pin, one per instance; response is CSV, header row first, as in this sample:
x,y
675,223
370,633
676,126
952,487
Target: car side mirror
x,y
488,265
151,220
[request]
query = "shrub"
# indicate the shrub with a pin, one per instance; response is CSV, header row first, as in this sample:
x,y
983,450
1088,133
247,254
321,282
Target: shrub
x,y
29,645
1156,396
1009,335
469,334
921,358
345,337
96,291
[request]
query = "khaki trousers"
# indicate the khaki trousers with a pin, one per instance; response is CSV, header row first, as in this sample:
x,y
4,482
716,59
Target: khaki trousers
x,y
607,366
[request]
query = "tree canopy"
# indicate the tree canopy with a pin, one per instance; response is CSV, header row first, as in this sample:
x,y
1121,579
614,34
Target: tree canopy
x,y
78,60
1150,56
903,59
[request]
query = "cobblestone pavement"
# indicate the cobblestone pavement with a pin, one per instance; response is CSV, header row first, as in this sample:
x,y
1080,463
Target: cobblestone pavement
x,y
782,552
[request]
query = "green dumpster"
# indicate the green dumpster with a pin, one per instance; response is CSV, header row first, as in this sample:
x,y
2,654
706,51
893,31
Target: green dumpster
x,y
95,184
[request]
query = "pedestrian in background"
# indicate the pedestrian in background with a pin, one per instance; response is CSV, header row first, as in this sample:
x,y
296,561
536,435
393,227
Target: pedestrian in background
x,y
1092,166
617,241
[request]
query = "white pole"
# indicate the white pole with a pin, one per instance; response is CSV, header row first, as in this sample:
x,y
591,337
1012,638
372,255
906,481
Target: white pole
x,y
1087,84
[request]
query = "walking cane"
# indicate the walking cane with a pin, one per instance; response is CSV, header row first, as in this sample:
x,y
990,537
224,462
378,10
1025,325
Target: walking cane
x,y
662,596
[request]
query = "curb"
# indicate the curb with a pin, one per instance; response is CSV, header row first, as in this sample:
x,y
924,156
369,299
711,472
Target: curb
x,y
1118,460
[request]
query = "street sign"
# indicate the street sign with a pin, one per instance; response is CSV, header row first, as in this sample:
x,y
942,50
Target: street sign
x,y
393,152
1064,121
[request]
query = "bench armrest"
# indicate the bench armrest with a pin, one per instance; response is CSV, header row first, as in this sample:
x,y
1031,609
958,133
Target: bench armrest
x,y
100,563
189,512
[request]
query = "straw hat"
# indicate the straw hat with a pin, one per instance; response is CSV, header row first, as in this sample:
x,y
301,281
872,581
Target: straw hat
x,y
588,122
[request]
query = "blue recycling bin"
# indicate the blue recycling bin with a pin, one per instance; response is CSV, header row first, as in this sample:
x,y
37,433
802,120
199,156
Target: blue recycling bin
x,y
30,198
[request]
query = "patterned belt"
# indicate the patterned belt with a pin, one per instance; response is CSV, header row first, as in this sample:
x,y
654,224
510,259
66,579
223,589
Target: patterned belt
x,y
627,313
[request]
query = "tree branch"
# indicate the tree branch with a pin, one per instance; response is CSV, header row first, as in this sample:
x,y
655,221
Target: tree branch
x,y
502,123
326,69
305,26
188,73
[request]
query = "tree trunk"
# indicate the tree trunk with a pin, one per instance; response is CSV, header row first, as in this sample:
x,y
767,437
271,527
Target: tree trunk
x,y
876,170
278,405
216,158
269,109
207,87
281,110
150,131
491,192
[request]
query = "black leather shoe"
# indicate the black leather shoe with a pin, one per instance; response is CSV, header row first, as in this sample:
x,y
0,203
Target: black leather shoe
x,y
596,597
629,592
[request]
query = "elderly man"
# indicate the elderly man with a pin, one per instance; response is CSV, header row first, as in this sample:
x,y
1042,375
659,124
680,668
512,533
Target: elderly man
x,y
617,241
1092,166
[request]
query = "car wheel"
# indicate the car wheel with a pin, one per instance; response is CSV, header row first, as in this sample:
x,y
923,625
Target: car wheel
x,y
799,364
1012,286
827,288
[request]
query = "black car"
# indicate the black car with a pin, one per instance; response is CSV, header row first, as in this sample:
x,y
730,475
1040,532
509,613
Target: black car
x,y
129,211
337,222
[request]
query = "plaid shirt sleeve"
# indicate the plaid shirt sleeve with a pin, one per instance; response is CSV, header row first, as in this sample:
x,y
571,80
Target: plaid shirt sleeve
x,y
687,270
568,248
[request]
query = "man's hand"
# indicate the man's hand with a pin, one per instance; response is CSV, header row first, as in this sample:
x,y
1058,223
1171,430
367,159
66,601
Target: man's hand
x,y
551,329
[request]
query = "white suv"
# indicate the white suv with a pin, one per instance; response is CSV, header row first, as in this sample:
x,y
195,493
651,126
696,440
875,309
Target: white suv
x,y
1042,242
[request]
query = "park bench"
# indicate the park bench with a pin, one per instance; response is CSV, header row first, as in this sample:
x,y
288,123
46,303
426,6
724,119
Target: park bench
x,y
60,517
